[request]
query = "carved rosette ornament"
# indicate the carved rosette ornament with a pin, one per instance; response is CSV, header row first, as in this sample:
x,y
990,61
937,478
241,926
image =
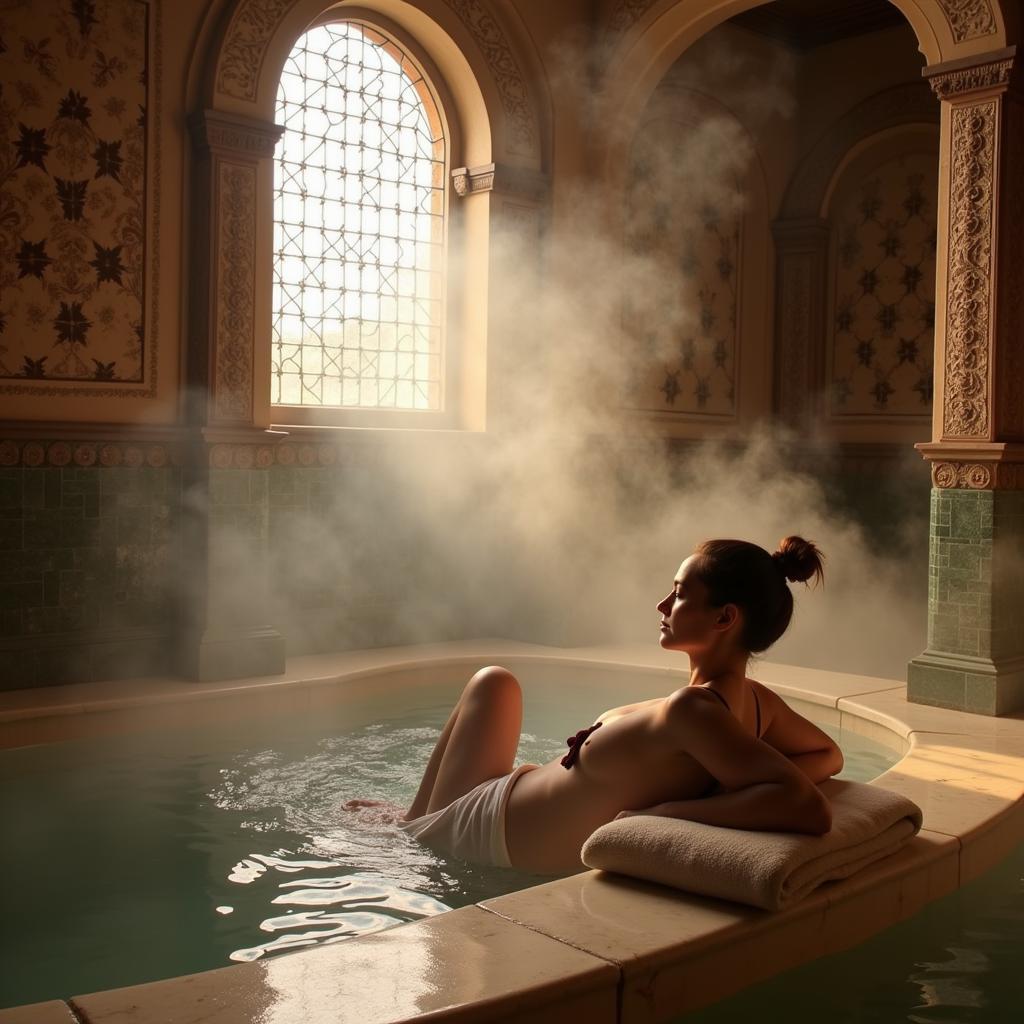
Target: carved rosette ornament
x,y
87,454
978,476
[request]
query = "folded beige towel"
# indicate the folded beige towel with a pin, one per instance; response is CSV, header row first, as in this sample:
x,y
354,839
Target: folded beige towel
x,y
766,869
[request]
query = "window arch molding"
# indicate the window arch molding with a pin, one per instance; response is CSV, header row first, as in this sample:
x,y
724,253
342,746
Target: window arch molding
x,y
498,141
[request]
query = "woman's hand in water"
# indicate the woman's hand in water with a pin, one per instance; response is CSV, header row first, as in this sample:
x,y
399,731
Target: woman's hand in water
x,y
375,811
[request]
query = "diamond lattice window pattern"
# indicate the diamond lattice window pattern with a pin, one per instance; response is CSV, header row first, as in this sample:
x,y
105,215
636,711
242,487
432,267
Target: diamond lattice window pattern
x,y
359,206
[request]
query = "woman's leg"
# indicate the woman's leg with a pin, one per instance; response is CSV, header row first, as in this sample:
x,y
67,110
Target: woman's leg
x,y
478,741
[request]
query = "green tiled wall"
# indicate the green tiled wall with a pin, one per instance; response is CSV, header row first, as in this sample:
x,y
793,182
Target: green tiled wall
x,y
975,602
85,559
960,572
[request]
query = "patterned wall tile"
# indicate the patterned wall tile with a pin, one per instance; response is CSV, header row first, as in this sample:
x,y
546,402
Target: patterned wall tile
x,y
681,318
87,564
73,160
883,327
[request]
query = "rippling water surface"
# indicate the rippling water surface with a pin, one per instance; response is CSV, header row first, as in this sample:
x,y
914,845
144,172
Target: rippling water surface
x,y
146,857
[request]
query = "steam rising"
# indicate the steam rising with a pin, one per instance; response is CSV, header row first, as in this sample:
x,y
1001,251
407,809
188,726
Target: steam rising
x,y
566,521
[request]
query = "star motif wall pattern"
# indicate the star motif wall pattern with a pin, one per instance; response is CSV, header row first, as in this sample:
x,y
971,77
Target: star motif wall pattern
x,y
883,328
72,190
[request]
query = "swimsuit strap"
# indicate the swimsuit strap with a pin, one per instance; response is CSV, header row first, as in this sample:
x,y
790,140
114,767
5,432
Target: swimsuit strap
x,y
575,743
757,707
718,695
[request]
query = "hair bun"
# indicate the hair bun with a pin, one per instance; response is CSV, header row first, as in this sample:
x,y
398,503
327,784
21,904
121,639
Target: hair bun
x,y
798,560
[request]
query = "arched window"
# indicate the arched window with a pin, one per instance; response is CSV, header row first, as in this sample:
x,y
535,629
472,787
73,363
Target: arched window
x,y
359,234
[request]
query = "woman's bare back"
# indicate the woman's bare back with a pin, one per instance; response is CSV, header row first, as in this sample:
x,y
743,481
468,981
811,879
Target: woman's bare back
x,y
630,762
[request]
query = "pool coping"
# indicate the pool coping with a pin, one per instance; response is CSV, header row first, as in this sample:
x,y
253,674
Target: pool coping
x,y
613,948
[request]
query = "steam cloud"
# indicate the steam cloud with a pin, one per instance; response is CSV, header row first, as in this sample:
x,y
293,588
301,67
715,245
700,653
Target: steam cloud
x,y
565,523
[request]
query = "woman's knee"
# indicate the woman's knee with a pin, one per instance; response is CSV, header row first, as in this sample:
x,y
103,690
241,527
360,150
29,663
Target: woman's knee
x,y
493,683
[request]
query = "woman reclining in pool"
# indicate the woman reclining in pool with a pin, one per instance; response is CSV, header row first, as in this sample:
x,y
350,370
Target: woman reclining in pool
x,y
723,749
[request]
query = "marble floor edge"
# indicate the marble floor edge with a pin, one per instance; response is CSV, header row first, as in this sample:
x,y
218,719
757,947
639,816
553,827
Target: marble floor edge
x,y
540,931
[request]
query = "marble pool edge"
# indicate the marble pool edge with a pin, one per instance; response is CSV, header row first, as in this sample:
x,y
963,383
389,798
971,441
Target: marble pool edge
x,y
614,948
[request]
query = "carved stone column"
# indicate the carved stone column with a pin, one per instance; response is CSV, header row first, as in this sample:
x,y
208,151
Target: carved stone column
x,y
224,627
975,655
801,285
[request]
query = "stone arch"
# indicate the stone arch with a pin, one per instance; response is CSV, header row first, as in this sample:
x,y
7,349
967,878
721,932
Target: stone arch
x,y
645,37
897,107
491,76
804,243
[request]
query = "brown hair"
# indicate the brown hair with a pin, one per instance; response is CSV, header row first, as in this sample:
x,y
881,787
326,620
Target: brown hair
x,y
740,573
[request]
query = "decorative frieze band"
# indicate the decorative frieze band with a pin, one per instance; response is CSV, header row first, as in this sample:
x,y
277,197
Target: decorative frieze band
x,y
263,456
514,181
978,467
131,454
85,454
962,81
979,476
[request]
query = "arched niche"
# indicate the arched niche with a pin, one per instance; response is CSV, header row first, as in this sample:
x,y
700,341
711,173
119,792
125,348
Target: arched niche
x,y
898,121
645,37
711,258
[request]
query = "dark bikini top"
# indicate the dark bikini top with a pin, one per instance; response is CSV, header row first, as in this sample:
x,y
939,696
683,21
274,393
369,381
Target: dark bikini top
x,y
757,708
575,743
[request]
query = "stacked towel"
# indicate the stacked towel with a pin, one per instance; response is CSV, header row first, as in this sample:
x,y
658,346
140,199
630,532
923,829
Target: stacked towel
x,y
765,869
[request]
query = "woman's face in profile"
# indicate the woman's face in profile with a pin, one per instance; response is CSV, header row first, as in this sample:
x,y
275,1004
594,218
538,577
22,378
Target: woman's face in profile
x,y
686,615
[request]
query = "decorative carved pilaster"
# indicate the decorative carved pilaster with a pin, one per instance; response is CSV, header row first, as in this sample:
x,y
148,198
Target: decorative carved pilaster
x,y
983,154
234,332
965,408
229,150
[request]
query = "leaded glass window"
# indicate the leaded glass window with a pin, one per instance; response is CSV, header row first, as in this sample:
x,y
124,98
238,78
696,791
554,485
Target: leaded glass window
x,y
359,227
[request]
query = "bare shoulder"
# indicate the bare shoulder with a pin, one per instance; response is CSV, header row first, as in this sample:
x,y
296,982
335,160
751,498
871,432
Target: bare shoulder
x,y
784,728
691,704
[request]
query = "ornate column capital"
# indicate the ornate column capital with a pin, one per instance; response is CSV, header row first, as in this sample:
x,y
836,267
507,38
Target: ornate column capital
x,y
214,131
967,76
977,466
513,181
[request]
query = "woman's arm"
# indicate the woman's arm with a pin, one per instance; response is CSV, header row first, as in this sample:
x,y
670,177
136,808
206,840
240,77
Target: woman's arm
x,y
763,789
762,807
814,752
